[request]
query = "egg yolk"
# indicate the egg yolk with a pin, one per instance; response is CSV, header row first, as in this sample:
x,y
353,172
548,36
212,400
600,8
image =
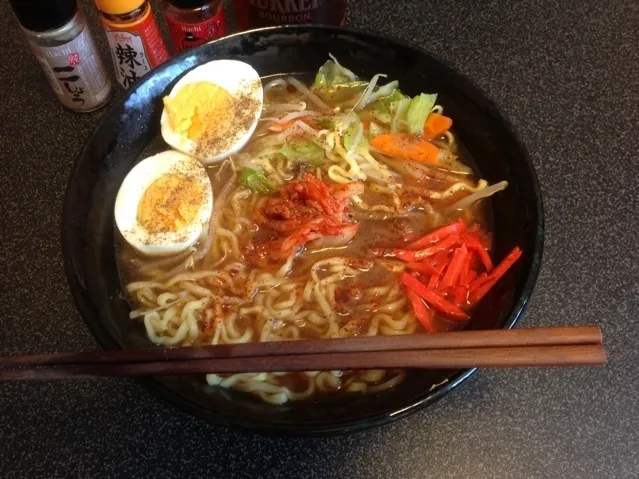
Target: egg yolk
x,y
170,203
200,107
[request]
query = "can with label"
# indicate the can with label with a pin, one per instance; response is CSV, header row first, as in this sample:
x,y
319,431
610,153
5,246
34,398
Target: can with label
x,y
63,46
194,22
134,38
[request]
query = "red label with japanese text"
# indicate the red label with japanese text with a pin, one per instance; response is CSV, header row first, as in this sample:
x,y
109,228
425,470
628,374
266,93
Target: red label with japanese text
x,y
189,35
135,48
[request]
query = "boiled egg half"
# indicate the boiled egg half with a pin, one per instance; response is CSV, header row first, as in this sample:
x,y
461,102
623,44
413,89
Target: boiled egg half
x,y
164,204
213,110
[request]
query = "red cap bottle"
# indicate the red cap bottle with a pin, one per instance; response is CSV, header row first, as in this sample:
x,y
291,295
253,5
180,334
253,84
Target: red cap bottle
x,y
194,22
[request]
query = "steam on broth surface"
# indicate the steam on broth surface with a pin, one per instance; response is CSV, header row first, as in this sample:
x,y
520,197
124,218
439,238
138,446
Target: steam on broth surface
x,y
315,233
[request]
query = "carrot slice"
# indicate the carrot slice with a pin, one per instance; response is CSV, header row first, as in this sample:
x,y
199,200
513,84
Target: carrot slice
x,y
436,125
439,260
432,298
278,127
445,307
466,270
422,268
414,256
495,275
455,267
438,235
433,281
422,313
460,294
473,244
443,246
403,145
478,281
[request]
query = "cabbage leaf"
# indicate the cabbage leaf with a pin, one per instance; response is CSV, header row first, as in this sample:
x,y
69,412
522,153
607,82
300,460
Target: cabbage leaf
x,y
303,150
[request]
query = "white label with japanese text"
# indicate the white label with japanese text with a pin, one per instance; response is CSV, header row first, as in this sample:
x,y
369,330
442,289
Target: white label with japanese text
x,y
75,72
130,59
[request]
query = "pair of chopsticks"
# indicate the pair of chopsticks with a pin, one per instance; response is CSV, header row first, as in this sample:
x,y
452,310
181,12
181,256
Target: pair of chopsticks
x,y
558,346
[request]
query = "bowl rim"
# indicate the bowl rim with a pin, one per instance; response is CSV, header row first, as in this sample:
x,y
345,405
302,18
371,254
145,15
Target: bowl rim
x,y
105,340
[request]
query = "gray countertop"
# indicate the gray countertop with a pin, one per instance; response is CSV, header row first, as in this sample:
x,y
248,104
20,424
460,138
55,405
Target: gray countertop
x,y
567,74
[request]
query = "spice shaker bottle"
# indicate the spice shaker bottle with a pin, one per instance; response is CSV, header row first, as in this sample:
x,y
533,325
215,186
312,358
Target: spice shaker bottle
x,y
62,43
194,22
134,38
262,13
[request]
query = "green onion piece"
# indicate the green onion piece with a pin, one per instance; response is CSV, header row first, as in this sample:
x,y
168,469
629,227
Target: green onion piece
x,y
256,181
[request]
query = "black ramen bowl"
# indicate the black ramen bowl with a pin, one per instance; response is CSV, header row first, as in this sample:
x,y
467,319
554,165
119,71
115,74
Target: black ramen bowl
x,y
130,130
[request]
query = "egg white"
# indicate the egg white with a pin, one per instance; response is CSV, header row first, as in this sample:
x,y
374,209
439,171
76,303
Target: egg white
x,y
232,75
136,183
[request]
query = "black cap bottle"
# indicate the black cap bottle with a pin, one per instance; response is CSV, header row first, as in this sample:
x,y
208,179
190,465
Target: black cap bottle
x,y
63,46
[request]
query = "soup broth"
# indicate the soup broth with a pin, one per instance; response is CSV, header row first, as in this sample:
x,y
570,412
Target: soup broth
x,y
310,235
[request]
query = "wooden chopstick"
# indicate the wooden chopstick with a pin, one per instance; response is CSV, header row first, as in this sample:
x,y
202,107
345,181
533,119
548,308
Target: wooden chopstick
x,y
561,335
497,348
588,354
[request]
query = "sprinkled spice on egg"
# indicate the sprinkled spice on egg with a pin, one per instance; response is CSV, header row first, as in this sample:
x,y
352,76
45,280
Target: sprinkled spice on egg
x,y
213,110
